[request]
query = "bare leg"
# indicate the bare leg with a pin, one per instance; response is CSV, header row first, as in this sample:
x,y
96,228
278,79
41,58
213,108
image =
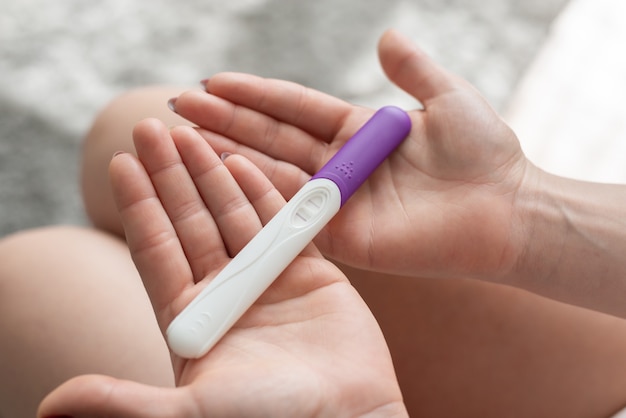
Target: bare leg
x,y
71,303
474,349
461,348
111,132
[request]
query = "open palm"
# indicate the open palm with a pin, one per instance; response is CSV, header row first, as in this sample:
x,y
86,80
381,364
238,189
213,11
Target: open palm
x,y
308,347
441,205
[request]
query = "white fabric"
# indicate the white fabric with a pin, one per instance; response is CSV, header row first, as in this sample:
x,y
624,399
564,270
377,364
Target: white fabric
x,y
621,414
569,109
63,60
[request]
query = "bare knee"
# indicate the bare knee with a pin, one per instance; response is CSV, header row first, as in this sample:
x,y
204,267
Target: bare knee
x,y
72,303
111,131
22,249
41,253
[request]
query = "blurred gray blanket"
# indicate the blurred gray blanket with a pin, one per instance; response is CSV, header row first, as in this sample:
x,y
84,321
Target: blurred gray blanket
x,y
61,61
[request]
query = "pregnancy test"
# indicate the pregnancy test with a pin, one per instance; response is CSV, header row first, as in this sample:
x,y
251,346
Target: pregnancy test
x,y
229,295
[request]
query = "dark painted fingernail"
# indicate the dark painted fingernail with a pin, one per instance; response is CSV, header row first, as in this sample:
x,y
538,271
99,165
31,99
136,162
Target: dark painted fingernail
x,y
171,103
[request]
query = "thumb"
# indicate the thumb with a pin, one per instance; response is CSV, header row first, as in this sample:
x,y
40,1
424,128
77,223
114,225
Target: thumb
x,y
102,396
411,69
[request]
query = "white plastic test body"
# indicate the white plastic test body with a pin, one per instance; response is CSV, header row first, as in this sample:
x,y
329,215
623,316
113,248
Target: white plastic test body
x,y
229,295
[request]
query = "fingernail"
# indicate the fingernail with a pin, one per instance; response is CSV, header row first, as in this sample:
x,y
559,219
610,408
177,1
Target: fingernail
x,y
118,153
171,103
225,155
204,82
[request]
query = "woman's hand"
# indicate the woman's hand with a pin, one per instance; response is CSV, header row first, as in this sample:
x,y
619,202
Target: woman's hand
x,y
308,347
442,205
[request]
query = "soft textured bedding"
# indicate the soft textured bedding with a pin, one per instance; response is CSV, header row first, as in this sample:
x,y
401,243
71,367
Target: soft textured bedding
x,y
61,61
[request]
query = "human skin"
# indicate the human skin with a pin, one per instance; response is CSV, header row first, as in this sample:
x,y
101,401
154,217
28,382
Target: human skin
x,y
481,345
185,215
458,199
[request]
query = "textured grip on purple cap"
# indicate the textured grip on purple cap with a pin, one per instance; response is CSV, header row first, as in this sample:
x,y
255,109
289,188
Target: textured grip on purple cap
x,y
366,150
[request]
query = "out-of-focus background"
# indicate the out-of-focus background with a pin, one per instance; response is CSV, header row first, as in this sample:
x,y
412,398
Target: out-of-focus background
x,y
61,61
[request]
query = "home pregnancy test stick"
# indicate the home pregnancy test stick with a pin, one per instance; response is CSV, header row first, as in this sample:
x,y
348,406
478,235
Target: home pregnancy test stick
x,y
229,295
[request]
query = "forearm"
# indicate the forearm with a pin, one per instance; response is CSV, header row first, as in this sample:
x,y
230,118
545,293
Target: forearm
x,y
575,241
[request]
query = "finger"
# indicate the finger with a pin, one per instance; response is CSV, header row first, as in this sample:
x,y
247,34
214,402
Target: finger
x,y
255,129
195,228
235,217
150,235
259,190
286,177
101,396
412,70
317,113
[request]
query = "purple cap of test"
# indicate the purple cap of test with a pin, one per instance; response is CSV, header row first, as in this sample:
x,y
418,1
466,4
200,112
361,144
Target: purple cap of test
x,y
366,150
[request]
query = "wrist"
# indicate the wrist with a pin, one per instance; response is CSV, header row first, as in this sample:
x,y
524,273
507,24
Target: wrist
x,y
572,243
540,227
